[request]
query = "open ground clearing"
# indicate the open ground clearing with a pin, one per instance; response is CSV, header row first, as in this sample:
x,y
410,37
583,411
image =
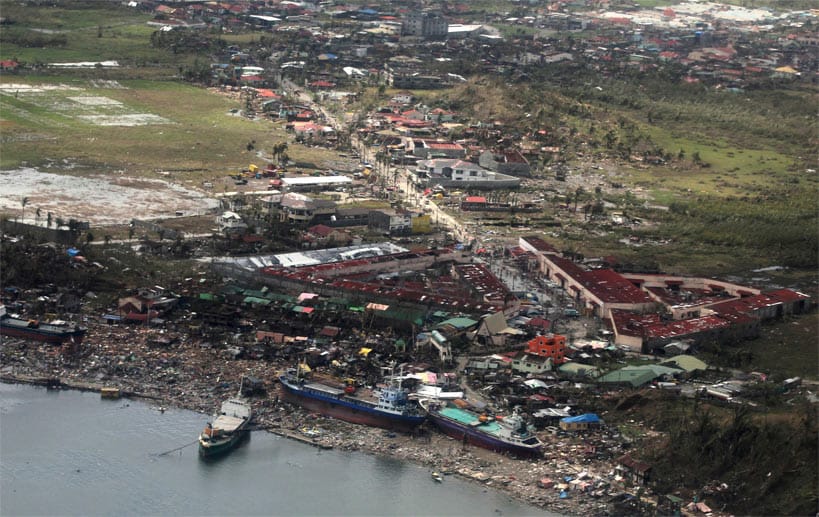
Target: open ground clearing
x,y
101,199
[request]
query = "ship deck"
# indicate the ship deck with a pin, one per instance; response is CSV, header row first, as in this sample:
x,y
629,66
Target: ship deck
x,y
467,418
227,423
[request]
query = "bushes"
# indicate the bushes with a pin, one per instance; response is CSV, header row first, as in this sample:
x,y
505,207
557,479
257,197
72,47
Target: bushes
x,y
706,449
31,39
783,228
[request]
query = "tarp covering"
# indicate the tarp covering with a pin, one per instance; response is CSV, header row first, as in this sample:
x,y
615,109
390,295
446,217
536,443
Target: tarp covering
x,y
535,383
425,377
256,301
438,393
587,418
306,296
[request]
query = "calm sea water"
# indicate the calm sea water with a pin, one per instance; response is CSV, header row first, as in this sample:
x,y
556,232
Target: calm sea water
x,y
71,453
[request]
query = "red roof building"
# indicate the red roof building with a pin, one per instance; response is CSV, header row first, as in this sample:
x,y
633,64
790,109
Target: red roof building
x,y
536,244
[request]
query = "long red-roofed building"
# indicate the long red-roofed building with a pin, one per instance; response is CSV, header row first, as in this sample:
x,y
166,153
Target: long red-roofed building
x,y
694,308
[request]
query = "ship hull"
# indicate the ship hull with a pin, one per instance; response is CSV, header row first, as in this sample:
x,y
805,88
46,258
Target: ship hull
x,y
481,439
218,448
35,334
348,411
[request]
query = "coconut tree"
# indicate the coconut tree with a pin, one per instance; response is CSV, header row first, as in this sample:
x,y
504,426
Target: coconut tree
x,y
280,151
23,203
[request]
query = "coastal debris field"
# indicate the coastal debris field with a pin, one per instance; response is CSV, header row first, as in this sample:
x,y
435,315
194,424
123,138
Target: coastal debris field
x,y
191,373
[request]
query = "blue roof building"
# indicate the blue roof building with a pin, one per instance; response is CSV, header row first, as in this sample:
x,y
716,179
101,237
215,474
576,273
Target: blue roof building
x,y
580,422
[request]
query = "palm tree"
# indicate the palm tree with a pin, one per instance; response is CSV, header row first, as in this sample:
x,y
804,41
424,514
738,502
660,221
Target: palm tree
x,y
23,203
280,151
577,193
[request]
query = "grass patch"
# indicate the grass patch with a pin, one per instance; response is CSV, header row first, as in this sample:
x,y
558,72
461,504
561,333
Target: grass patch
x,y
787,349
200,132
81,31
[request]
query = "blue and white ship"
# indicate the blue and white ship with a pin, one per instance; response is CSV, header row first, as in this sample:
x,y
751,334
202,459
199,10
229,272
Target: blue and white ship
x,y
388,407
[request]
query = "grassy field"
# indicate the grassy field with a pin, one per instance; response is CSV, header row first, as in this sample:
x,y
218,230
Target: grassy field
x,y
191,131
190,127
739,176
787,349
91,32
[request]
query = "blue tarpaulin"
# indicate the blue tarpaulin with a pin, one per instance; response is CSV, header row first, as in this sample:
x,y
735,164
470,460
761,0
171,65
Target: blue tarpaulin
x,y
589,418
73,252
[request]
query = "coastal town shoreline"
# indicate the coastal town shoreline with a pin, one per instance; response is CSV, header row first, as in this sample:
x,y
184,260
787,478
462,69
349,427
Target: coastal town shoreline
x,y
517,478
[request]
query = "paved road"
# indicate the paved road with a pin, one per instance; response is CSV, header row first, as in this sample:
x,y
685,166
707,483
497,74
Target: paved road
x,y
406,190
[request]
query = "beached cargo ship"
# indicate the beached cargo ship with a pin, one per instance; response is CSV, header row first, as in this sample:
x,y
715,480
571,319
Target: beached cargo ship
x,y
228,427
509,434
389,406
54,332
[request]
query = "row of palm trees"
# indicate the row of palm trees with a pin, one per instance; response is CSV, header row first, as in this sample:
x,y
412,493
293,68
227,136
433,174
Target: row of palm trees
x,y
24,201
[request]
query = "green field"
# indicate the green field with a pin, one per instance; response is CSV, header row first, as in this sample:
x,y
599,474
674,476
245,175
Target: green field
x,y
85,31
190,127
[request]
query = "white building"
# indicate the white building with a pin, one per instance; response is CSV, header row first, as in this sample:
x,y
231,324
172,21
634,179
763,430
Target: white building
x,y
230,222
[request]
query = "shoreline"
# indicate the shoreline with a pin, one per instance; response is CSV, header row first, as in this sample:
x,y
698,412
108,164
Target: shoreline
x,y
428,448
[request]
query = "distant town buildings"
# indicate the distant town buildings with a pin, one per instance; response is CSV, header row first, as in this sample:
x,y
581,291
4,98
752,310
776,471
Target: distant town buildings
x,y
425,24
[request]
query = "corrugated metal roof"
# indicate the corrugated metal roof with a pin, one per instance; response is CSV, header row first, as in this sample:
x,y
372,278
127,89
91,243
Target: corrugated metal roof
x,y
459,323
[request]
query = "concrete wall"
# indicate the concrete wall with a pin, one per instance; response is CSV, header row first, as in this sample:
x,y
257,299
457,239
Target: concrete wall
x,y
650,280
60,236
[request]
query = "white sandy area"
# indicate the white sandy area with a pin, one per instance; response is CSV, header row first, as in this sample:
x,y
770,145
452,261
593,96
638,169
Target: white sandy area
x,y
131,119
96,101
13,88
102,199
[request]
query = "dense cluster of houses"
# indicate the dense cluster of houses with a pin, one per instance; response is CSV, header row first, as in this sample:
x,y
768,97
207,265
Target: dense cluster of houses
x,y
334,50
713,42
656,314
